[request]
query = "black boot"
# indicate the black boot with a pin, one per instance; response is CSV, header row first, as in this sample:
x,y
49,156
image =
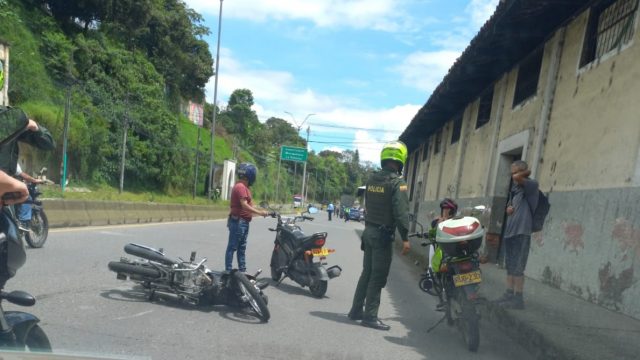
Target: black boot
x,y
375,323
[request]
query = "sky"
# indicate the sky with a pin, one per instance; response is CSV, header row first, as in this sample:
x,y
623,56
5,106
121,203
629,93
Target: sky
x,y
363,68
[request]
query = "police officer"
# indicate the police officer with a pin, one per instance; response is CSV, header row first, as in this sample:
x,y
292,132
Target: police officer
x,y
387,208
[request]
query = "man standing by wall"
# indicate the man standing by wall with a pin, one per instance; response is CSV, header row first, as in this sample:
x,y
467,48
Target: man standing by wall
x,y
387,209
523,200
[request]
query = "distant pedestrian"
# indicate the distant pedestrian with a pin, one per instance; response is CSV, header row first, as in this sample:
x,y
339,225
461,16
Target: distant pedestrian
x,y
347,210
242,211
330,208
522,203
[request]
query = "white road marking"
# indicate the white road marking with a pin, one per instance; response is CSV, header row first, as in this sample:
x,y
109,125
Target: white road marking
x,y
134,315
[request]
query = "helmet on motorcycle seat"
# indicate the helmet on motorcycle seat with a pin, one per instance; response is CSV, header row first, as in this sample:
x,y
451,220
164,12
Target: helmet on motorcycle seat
x,y
247,171
395,151
447,203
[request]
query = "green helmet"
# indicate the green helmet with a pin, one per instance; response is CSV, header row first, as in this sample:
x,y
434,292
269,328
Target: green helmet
x,y
394,150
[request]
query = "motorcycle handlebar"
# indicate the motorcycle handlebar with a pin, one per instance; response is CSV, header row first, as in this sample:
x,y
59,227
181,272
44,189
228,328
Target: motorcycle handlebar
x,y
417,234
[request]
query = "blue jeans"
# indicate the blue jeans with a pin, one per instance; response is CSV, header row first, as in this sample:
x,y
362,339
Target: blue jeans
x,y
24,210
238,232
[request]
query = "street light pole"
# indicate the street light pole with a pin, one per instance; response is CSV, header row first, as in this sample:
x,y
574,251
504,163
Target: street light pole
x,y
215,100
304,172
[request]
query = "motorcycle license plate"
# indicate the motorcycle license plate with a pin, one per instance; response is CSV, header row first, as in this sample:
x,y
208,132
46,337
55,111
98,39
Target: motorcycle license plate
x,y
320,252
469,278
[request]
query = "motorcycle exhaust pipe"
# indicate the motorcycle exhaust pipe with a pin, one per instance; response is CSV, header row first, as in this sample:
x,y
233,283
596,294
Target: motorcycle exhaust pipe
x,y
334,271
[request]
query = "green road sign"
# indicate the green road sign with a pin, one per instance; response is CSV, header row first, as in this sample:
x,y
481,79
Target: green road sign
x,y
293,153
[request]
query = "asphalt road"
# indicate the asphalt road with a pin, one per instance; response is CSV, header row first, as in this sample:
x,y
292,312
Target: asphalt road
x,y
85,309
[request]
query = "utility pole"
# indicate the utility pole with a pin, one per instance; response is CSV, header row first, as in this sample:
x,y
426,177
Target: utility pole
x,y
304,172
195,177
278,182
125,130
65,135
215,101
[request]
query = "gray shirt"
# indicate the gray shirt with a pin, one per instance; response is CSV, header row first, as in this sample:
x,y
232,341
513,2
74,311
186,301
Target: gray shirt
x,y
524,199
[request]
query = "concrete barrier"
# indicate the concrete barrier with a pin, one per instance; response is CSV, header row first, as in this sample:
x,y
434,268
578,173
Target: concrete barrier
x,y
70,213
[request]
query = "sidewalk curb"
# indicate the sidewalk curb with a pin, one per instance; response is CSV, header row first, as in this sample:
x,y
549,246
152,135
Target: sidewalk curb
x,y
534,341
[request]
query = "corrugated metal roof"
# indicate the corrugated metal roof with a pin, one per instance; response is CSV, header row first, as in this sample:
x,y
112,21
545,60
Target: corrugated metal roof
x,y
516,28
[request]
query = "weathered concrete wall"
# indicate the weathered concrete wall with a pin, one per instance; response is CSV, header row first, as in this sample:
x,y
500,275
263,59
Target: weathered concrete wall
x,y
477,155
586,151
590,247
594,132
69,213
448,166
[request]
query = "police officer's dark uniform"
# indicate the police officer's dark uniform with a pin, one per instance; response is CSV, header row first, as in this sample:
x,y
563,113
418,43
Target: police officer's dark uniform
x,y
387,208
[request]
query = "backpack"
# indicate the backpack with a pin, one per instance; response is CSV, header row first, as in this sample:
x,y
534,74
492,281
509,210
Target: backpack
x,y
541,212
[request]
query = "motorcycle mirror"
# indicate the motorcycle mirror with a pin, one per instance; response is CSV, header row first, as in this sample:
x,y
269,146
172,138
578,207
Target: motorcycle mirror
x,y
43,170
264,204
193,256
313,210
412,217
480,207
14,122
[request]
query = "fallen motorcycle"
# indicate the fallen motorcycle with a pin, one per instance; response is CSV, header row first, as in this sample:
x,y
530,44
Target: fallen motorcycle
x,y
301,257
191,281
456,281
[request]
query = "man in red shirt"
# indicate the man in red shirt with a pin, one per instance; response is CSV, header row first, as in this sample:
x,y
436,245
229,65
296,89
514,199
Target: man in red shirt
x,y
242,211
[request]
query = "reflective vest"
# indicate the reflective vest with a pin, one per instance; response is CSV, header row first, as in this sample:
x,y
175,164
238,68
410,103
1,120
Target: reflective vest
x,y
379,194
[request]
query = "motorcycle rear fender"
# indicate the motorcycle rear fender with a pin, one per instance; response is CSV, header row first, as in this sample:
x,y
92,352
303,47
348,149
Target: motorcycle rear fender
x,y
21,323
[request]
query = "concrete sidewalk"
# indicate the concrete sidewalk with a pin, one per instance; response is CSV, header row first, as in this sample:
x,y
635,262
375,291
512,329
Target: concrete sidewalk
x,y
556,325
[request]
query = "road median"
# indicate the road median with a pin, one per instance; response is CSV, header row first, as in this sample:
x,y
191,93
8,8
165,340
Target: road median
x,y
74,213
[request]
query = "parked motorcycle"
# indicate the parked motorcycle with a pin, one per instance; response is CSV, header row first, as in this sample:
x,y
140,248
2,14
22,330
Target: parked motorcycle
x,y
191,281
18,330
38,231
457,282
301,257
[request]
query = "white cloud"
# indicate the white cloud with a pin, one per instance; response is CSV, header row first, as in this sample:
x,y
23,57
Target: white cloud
x,y
384,15
481,10
275,92
425,70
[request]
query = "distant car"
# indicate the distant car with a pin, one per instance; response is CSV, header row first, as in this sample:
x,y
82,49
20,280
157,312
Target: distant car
x,y
356,214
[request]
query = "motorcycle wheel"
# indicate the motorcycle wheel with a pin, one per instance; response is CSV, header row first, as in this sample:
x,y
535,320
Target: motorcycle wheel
x,y
37,340
275,273
133,269
319,288
252,296
469,322
39,230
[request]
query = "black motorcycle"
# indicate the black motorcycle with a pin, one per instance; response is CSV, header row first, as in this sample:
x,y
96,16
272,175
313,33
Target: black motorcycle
x,y
18,330
38,231
456,281
300,257
191,281
36,234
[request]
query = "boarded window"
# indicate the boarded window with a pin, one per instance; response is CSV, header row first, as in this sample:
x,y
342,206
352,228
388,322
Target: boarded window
x,y
528,75
425,150
438,144
457,127
484,110
611,25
